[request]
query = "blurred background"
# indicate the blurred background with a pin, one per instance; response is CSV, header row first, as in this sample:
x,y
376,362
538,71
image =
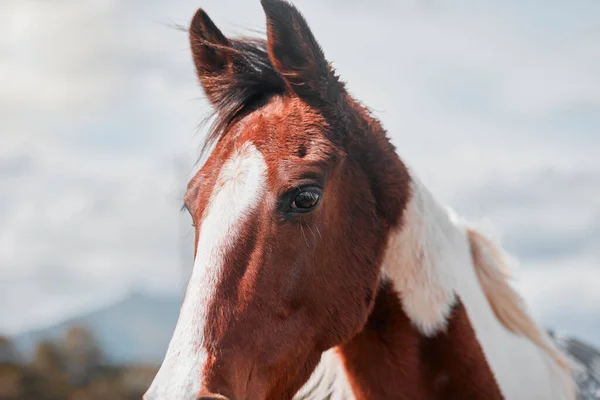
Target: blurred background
x,y
495,106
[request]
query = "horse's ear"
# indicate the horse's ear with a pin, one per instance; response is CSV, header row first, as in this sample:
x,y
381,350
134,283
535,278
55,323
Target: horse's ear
x,y
294,51
212,55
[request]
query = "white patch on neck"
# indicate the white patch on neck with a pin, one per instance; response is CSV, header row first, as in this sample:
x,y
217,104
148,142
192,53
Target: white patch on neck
x,y
414,258
235,194
328,380
429,261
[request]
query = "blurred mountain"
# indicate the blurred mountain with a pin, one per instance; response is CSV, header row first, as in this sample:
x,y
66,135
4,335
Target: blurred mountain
x,y
136,329
586,369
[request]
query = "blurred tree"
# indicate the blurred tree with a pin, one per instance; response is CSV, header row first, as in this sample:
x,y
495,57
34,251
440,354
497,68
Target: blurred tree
x,y
72,368
47,376
82,355
8,352
11,377
47,359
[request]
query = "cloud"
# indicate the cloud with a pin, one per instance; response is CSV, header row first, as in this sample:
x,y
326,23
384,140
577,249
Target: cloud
x,y
542,215
563,294
495,107
90,164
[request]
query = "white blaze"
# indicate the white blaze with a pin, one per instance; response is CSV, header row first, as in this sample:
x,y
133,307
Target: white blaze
x,y
236,193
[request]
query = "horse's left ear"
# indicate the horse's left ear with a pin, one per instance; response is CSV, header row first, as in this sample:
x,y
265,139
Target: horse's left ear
x,y
294,51
212,53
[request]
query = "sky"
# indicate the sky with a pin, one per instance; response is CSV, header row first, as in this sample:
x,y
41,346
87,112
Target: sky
x,y
495,105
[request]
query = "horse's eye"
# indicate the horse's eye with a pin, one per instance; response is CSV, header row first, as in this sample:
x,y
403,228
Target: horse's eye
x,y
306,200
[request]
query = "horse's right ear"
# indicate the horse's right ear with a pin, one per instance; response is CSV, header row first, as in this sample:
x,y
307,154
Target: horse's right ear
x,y
212,55
295,53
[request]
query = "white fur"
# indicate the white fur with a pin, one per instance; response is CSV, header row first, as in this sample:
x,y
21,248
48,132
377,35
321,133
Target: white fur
x,y
328,379
413,258
236,192
429,260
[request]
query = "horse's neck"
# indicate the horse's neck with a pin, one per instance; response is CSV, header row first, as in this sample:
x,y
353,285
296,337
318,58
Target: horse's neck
x,y
391,358
384,360
418,342
432,328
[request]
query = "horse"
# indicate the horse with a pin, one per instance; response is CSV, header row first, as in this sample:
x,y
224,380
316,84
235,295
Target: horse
x,y
323,267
